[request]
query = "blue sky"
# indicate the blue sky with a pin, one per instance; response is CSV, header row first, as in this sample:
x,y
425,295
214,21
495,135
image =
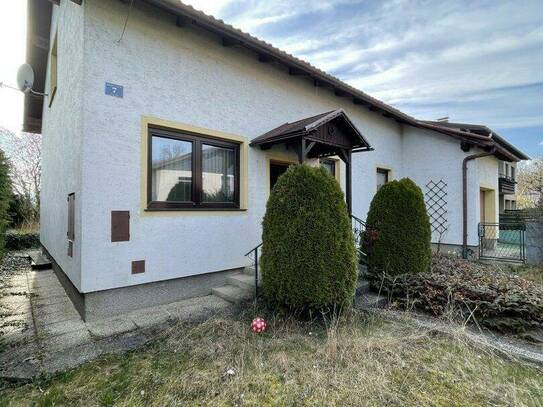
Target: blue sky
x,y
474,61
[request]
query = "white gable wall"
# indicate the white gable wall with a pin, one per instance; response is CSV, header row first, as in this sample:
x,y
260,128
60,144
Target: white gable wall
x,y
62,140
186,76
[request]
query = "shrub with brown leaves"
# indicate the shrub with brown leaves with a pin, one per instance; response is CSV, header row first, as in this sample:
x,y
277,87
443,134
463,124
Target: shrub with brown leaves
x,y
488,295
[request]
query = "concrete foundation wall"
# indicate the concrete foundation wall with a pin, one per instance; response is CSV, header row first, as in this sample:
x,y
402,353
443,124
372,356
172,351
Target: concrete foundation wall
x,y
104,304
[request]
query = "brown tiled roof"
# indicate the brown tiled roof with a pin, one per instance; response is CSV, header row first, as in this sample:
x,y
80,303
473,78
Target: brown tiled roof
x,y
304,126
288,128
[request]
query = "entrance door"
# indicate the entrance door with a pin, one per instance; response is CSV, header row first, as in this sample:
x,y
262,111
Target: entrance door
x,y
482,205
276,170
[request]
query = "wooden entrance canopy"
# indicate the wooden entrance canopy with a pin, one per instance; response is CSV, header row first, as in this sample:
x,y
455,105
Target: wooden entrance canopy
x,y
323,135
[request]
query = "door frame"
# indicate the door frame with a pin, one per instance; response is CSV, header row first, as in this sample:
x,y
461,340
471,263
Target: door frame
x,y
285,159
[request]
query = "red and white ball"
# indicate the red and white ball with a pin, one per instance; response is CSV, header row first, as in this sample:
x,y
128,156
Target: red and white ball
x,y
258,325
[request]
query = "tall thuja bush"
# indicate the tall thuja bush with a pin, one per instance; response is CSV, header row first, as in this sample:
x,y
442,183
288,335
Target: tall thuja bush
x,y
399,241
5,198
308,253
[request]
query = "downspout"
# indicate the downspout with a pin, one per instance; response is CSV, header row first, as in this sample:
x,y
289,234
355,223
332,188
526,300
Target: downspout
x,y
465,198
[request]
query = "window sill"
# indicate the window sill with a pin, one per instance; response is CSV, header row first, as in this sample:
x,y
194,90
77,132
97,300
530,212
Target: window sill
x,y
195,210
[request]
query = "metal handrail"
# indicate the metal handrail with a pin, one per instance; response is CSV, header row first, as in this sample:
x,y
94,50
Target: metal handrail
x,y
359,227
252,250
255,250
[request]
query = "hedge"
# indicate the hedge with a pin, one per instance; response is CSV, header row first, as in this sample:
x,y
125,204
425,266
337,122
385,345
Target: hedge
x,y
16,240
5,198
308,253
398,238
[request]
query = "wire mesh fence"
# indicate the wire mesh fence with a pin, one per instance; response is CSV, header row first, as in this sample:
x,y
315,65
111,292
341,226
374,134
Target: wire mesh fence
x,y
502,241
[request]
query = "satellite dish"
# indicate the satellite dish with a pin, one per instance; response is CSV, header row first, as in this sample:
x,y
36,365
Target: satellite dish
x,y
25,78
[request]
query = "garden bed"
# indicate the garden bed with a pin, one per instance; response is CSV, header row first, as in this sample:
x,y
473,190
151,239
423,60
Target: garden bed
x,y
487,295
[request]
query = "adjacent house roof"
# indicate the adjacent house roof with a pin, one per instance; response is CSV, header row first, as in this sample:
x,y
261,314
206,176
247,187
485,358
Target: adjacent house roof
x,y
481,129
266,53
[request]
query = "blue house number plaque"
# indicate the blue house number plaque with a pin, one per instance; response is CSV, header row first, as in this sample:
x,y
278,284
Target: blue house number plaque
x,y
114,90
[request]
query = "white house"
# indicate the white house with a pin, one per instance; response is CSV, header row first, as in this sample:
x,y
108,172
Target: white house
x,y
164,129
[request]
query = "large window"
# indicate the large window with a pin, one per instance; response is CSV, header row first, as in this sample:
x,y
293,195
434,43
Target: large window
x,y
382,177
189,171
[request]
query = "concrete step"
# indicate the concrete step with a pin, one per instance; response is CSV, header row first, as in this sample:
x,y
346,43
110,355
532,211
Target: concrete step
x,y
240,280
233,294
39,261
370,300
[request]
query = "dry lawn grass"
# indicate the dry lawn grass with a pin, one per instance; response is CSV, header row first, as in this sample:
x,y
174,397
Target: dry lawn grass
x,y
360,360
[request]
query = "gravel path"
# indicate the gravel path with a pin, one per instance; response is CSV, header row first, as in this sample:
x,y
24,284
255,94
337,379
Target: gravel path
x,y
14,300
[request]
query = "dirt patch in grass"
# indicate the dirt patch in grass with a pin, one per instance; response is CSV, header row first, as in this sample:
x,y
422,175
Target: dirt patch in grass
x,y
359,360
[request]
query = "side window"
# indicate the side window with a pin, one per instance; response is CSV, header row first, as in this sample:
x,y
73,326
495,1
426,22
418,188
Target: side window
x,y
53,72
71,223
329,165
382,177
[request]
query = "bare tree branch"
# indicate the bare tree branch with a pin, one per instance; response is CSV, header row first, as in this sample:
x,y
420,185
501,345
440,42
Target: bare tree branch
x,y
24,154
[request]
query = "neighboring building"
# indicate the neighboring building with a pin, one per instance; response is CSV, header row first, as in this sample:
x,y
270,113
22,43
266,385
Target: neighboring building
x,y
162,139
507,199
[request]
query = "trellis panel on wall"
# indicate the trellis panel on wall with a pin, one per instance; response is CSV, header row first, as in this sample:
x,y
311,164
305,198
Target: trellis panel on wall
x,y
436,205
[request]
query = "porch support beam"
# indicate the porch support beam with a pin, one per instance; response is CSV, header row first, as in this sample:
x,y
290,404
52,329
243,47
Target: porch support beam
x,y
348,183
309,147
301,150
346,156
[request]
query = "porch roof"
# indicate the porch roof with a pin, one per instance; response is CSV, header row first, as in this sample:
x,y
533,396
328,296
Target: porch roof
x,y
346,135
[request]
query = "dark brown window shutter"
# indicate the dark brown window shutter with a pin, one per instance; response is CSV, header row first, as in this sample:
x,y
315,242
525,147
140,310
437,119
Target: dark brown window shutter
x,y
138,266
120,226
71,223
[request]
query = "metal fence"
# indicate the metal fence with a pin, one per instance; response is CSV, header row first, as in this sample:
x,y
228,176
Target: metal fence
x,y
502,241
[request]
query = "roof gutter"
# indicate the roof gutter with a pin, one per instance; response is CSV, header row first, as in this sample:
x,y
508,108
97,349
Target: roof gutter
x,y
465,197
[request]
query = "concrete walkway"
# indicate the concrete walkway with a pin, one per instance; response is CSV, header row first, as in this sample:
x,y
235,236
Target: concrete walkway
x,y
43,333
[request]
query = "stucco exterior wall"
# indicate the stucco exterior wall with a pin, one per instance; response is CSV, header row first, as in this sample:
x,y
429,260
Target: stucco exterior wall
x,y
62,140
431,156
184,75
